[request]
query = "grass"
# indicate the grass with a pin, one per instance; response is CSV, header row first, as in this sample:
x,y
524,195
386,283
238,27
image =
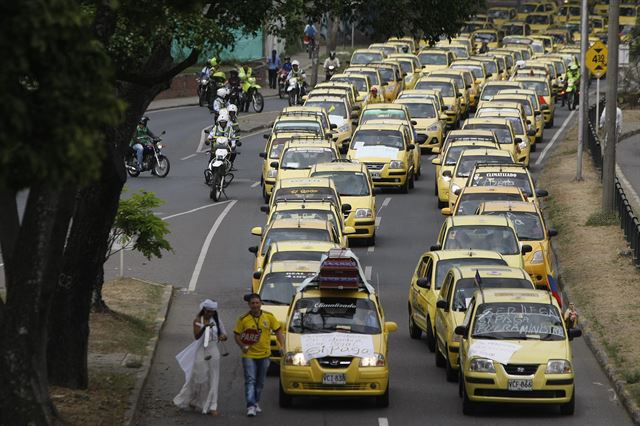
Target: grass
x,y
602,219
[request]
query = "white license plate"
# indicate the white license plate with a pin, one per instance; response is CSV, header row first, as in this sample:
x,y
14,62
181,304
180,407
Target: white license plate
x,y
520,384
375,175
334,379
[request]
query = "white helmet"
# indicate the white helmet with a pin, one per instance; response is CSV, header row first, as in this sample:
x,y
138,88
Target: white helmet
x,y
295,62
520,64
223,116
232,108
222,92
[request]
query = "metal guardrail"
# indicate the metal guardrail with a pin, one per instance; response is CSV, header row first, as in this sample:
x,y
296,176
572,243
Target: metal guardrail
x,y
629,223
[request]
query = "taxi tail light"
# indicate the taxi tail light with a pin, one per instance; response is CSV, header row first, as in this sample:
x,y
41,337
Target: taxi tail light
x,y
542,100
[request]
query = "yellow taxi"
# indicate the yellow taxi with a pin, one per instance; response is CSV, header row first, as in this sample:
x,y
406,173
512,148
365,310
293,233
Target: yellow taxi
x,y
387,49
491,63
471,197
503,129
510,175
489,36
415,152
528,364
299,124
509,60
336,336
539,22
410,65
388,153
277,287
361,82
501,15
537,107
392,82
426,282
355,187
531,228
302,111
338,89
432,95
458,288
450,94
364,56
561,36
547,41
529,7
464,81
430,123
461,51
601,9
306,190
479,71
409,40
545,96
299,155
517,28
374,76
628,14
466,162
492,88
435,59
531,115
340,114
522,127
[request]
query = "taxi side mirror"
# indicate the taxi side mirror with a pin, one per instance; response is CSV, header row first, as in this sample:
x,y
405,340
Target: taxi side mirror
x,y
542,193
344,149
443,116
257,275
461,330
459,95
435,150
346,208
333,126
518,140
574,332
264,209
436,161
537,113
526,248
446,211
414,122
262,155
445,107
274,165
424,283
257,231
489,74
447,173
552,233
349,230
254,250
266,135
390,326
436,247
410,147
442,304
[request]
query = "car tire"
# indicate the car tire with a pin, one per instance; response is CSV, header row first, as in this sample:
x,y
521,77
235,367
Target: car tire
x,y
440,359
431,338
452,374
284,400
435,186
468,406
372,240
265,197
442,204
404,189
412,181
382,401
569,408
414,330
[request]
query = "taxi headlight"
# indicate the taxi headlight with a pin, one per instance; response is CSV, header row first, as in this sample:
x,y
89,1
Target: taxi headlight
x,y
432,128
558,366
446,178
396,164
343,128
482,365
295,358
537,258
377,360
272,173
362,213
455,188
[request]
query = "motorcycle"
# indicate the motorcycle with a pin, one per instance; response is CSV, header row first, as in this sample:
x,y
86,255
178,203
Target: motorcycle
x,y
330,71
571,93
207,87
295,91
218,172
152,159
309,45
282,83
250,95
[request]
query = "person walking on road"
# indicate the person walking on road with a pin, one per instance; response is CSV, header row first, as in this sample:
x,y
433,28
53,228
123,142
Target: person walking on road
x,y
253,335
200,362
273,64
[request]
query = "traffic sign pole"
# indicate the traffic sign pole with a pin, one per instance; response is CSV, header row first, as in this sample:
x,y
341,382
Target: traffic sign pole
x,y
584,99
609,158
597,104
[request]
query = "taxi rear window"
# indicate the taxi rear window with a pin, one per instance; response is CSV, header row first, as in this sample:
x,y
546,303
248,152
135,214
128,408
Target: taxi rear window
x,y
516,180
305,193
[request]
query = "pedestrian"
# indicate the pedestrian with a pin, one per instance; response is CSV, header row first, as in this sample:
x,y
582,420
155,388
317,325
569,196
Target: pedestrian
x,y
603,118
200,362
571,316
253,335
273,64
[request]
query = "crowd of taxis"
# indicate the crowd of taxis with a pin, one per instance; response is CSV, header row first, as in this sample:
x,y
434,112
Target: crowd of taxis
x,y
482,294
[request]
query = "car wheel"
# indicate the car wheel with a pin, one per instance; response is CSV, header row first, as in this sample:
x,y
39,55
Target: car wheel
x,y
284,400
412,181
382,401
431,339
435,186
372,240
440,359
265,197
468,406
414,330
569,408
442,204
404,188
452,374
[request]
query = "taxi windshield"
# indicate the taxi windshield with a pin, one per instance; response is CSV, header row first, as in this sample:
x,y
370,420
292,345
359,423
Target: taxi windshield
x,y
446,89
433,58
466,163
503,133
306,213
300,255
421,110
476,70
498,14
366,57
443,266
525,104
528,224
454,152
373,75
516,180
359,82
372,138
459,80
304,158
294,234
334,314
383,113
513,29
488,37
538,19
491,90
518,321
386,74
482,237
492,67
306,194
332,107
527,8
348,184
405,66
469,203
298,125
465,288
541,87
278,288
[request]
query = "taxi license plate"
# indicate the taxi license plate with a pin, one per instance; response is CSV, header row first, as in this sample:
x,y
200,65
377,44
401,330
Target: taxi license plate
x,y
520,384
375,175
334,379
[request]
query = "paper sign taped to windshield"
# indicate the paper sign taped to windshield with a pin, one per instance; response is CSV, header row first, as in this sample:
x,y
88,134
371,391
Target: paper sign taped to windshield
x,y
500,174
336,344
497,351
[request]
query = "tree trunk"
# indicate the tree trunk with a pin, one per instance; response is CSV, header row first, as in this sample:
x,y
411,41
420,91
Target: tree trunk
x,y
98,305
31,279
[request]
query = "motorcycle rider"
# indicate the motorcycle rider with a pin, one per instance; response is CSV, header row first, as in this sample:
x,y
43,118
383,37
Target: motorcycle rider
x,y
142,137
331,60
573,73
484,48
244,73
374,97
233,116
286,66
299,74
223,129
219,102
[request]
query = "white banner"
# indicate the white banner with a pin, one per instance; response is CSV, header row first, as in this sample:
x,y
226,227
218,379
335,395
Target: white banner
x,y
336,344
497,351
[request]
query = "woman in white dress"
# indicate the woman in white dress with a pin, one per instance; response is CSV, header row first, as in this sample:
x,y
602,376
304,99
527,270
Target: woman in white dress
x,y
201,362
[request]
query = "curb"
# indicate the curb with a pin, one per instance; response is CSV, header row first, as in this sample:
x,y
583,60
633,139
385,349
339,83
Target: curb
x,y
141,376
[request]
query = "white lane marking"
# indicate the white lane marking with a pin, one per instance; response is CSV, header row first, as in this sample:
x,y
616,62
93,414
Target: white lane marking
x,y
382,421
555,137
378,219
196,209
371,249
431,157
385,203
206,244
367,272
188,156
255,184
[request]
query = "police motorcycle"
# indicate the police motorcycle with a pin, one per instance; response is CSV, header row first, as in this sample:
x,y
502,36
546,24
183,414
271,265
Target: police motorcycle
x,y
218,173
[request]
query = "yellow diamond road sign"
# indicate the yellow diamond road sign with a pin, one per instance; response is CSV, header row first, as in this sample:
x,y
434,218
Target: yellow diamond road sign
x,y
597,59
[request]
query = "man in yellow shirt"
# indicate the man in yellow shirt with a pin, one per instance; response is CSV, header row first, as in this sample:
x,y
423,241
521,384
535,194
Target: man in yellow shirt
x,y
253,334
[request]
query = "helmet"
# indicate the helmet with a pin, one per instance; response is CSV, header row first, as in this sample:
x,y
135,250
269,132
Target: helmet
x,y
213,61
144,120
232,108
222,92
295,62
223,116
574,67
332,54
374,90
520,64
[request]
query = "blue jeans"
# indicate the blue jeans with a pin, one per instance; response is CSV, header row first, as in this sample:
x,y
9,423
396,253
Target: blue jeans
x,y
139,151
255,372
